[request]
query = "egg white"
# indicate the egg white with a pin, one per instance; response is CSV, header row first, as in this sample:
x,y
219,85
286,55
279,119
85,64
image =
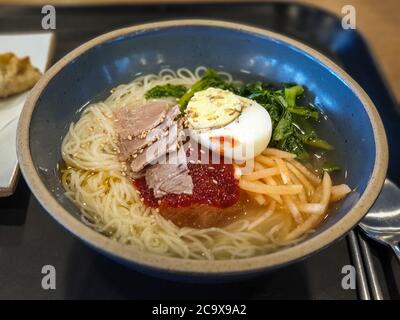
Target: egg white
x,y
250,133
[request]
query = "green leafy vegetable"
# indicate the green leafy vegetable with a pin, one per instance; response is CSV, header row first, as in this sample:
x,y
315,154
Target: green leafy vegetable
x,y
284,127
257,91
292,128
330,167
168,90
308,135
292,93
272,100
294,145
210,79
306,112
316,142
275,113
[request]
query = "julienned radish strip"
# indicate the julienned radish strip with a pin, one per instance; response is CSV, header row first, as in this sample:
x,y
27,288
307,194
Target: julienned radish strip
x,y
311,176
315,218
278,153
339,192
267,189
260,174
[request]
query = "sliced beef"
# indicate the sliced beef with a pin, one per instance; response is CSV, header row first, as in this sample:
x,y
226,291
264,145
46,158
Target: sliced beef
x,y
137,175
169,178
133,122
181,184
156,175
129,147
215,200
165,145
150,134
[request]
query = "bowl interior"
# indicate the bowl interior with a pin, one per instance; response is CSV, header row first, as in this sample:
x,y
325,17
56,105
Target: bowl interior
x,y
244,54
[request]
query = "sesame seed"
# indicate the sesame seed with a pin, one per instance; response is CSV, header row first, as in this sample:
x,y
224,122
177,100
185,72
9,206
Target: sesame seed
x,y
215,181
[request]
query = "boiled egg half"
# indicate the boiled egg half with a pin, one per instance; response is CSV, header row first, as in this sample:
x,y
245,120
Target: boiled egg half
x,y
234,126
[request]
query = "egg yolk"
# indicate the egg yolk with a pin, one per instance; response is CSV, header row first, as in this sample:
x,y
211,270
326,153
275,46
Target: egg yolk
x,y
214,108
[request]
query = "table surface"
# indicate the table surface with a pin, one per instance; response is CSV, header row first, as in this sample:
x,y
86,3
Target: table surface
x,y
377,20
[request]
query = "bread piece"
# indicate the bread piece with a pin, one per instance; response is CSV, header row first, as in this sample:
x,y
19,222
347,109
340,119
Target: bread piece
x,y
16,74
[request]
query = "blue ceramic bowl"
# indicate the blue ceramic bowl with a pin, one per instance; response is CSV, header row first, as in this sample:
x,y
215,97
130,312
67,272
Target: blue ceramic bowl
x,y
117,57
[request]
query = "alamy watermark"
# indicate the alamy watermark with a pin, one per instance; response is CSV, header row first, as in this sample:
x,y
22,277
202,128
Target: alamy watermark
x,y
49,18
349,17
49,277
349,278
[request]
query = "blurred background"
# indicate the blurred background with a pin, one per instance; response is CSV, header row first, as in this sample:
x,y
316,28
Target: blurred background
x,y
377,20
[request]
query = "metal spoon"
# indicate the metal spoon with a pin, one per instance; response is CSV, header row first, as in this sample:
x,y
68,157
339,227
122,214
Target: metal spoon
x,y
382,223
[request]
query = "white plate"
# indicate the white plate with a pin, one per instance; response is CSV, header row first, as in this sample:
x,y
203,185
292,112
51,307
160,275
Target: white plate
x,y
38,46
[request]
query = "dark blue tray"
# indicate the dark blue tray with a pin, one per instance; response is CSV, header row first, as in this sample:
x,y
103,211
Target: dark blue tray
x,y
29,238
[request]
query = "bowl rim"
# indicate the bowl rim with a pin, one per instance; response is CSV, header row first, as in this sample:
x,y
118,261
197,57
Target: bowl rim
x,y
147,260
